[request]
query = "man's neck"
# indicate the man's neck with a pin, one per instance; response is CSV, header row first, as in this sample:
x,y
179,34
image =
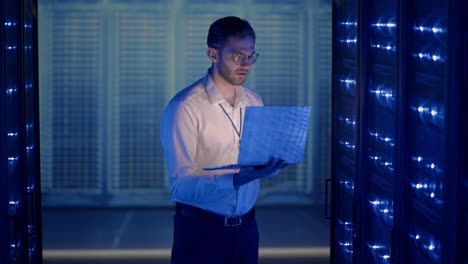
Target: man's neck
x,y
227,90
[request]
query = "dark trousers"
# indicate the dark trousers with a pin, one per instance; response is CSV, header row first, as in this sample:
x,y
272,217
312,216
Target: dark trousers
x,y
200,238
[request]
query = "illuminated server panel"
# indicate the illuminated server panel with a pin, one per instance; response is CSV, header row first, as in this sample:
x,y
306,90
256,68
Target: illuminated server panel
x,y
20,207
399,136
378,130
345,130
426,130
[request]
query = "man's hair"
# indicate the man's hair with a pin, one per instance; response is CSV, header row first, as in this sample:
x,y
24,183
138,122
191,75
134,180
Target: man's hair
x,y
224,28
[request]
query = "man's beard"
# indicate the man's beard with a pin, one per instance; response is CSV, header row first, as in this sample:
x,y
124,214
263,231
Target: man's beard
x,y
225,74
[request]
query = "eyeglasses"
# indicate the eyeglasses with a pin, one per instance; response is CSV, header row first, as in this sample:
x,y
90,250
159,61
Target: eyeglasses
x,y
240,58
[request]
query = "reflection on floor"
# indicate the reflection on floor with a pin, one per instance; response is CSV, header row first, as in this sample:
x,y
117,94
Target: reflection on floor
x,y
302,232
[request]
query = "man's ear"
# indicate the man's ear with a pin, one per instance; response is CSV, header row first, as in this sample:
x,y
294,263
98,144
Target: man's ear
x,y
212,54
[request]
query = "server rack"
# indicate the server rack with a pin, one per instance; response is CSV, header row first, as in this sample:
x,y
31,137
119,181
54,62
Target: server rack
x,y
344,130
20,206
409,135
378,74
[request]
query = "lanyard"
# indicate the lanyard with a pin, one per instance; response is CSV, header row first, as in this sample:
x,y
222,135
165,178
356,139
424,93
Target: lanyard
x,y
232,123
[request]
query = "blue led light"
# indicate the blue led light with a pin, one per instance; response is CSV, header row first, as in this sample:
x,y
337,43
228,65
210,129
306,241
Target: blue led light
x,y
349,185
434,29
10,24
376,246
11,90
429,112
384,139
379,93
350,121
348,81
11,134
420,186
29,148
383,208
27,26
385,211
347,121
28,85
346,246
348,226
10,47
30,189
431,246
379,251
349,145
429,57
386,164
12,206
29,126
349,41
428,243
427,190
387,25
431,166
387,47
349,23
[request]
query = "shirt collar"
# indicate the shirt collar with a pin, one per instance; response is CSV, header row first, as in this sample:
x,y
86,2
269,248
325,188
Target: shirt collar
x,y
216,98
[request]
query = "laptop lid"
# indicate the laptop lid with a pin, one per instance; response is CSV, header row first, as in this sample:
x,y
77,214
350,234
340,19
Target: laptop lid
x,y
272,131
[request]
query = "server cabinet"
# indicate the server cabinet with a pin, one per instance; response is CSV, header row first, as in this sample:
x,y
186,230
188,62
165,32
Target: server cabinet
x,y
377,153
426,130
20,215
344,130
410,143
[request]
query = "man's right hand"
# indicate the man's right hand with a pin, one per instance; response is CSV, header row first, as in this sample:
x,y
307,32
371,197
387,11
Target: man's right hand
x,y
248,174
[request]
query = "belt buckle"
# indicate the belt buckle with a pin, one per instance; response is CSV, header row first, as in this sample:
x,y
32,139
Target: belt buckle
x,y
232,221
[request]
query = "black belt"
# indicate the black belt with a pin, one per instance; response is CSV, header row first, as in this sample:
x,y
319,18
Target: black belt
x,y
188,210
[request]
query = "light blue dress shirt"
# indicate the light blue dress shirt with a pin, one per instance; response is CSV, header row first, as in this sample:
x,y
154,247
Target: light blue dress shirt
x,y
195,134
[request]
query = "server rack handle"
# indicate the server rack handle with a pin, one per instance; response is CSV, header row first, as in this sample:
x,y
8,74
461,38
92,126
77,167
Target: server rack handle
x,y
327,213
357,230
393,245
13,241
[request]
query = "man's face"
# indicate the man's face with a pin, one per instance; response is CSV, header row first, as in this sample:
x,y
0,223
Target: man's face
x,y
227,68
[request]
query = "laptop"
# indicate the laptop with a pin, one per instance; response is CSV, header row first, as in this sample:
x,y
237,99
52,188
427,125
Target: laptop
x,y
272,131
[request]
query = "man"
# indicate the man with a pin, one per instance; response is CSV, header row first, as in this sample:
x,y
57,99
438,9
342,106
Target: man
x,y
202,127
